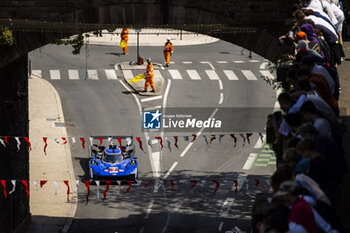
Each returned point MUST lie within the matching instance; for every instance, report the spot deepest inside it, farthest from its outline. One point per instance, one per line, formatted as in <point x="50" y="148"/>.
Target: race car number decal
<point x="113" y="170"/>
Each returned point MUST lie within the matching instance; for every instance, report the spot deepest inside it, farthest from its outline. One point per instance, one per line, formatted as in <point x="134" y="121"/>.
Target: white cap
<point x="168" y="38"/>
<point x="149" y="59"/>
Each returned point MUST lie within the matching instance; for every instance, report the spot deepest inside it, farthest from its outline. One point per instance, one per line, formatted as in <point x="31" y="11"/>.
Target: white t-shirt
<point x="325" y="7"/>
<point x="320" y="21"/>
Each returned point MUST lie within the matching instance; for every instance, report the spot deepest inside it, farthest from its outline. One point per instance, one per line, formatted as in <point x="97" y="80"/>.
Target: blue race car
<point x="112" y="163"/>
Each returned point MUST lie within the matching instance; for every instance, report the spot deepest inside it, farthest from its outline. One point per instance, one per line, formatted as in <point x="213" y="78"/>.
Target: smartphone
<point x="291" y="34"/>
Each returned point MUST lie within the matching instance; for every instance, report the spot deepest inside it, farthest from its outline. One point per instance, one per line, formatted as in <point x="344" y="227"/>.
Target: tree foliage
<point x="6" y="37"/>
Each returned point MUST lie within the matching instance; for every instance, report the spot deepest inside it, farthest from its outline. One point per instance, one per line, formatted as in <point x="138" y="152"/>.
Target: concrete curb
<point x="67" y="150"/>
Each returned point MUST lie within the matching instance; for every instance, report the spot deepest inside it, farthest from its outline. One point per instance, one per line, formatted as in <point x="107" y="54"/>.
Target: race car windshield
<point x="113" y="158"/>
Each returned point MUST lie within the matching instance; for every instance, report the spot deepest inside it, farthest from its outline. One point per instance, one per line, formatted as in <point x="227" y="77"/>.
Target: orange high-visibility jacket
<point x="168" y="47"/>
<point x="125" y="35"/>
<point x="149" y="70"/>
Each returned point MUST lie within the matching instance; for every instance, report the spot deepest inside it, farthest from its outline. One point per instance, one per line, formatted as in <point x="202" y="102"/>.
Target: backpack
<point x="327" y="53"/>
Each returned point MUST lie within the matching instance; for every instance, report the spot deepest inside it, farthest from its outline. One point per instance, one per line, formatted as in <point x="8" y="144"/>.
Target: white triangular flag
<point x="202" y="183"/>
<point x="148" y="141"/>
<point x="119" y="183"/>
<point x="246" y="186"/>
<point x="267" y="181"/>
<point x="56" y="186"/>
<point x="74" y="140"/>
<point x="98" y="188"/>
<point x="77" y="185"/>
<point x="18" y="143"/>
<point x="91" y="140"/>
<point x="168" y="142"/>
<point x="128" y="141"/>
<point x="2" y="142"/>
<point x="221" y="136"/>
<point x="13" y="186"/>
<point x="35" y="141"/>
<point x="183" y="181"/>
<point x="35" y="185"/>
<point x="242" y="136"/>
<point x="110" y="140"/>
<point x="261" y="137"/>
<point x="138" y="182"/>
<point x="56" y="140"/>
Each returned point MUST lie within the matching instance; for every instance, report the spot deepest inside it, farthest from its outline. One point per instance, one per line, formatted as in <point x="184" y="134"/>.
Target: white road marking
<point x="250" y="161"/>
<point x="149" y="209"/>
<point x="152" y="108"/>
<point x="222" y="62"/>
<point x="238" y="61"/>
<point x="116" y="67"/>
<point x="92" y="74"/>
<point x="198" y="134"/>
<point x="187" y="62"/>
<point x="110" y="74"/>
<point x="249" y="75"/>
<point x="254" y="61"/>
<point x="263" y="66"/>
<point x="230" y="75"/>
<point x="267" y="74"/>
<point x="157" y="74"/>
<point x="172" y="62"/>
<point x="220" y="84"/>
<point x="212" y="75"/>
<point x="193" y="74"/>
<point x="209" y="63"/>
<point x="220" y="226"/>
<point x="226" y="207"/>
<point x="170" y="170"/>
<point x="175" y="74"/>
<point x="221" y="98"/>
<point x="156" y="159"/>
<point x="128" y="74"/>
<point x="37" y="73"/>
<point x="55" y="74"/>
<point x="73" y="74"/>
<point x="151" y="98"/>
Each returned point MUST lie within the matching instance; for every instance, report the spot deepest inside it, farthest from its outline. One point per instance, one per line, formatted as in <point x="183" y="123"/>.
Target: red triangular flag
<point x="101" y="140"/>
<point x="176" y="139"/>
<point x="160" y="141"/>
<point x="6" y="139"/>
<point x="26" y="184"/>
<point x="172" y="185"/>
<point x="68" y="189"/>
<point x="149" y="182"/>
<point x="29" y="144"/>
<point x="217" y="185"/>
<point x="236" y="185"/>
<point x="45" y="140"/>
<point x="194" y="137"/>
<point x="120" y="144"/>
<point x="213" y="137"/>
<point x="42" y="182"/>
<point x="64" y="140"/>
<point x="3" y="182"/>
<point x="257" y="182"/>
<point x="194" y="182"/>
<point x="108" y="182"/>
<point x="248" y="135"/>
<point x="128" y="189"/>
<point x="140" y="143"/>
<point x="82" y="142"/>
<point x="87" y="185"/>
<point x="234" y="139"/>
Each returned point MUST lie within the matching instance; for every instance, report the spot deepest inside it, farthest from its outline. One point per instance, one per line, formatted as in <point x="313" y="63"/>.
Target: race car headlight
<point x="106" y="170"/>
<point x="132" y="162"/>
<point x="94" y="163"/>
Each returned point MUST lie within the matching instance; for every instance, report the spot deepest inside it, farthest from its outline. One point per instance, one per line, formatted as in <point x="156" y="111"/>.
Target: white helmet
<point x="148" y="59"/>
<point x="168" y="39"/>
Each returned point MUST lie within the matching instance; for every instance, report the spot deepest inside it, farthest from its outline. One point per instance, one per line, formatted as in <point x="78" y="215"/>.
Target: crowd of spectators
<point x="307" y="136"/>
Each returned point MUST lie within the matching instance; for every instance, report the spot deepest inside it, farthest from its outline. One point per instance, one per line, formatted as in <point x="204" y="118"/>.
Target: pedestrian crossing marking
<point x="55" y="74"/>
<point x="128" y="74"/>
<point x="267" y="74"/>
<point x="249" y="75"/>
<point x="92" y="74"/>
<point x="73" y="74"/>
<point x="212" y="75"/>
<point x="37" y="73"/>
<point x="175" y="74"/>
<point x="157" y="74"/>
<point x="230" y="75"/>
<point x="193" y="74"/>
<point x="110" y="74"/>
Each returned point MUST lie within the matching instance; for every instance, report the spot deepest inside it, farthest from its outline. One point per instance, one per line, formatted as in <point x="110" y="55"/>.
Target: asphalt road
<point x="106" y="107"/>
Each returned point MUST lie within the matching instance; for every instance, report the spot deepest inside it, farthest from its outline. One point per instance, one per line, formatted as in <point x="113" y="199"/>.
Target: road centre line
<point x="198" y="134"/>
<point x="170" y="170"/>
<point x="209" y="63"/>
<point x="187" y="62"/>
<point x="151" y="98"/>
<point x="238" y="61"/>
<point x="221" y="98"/>
<point x="220" y="84"/>
<point x="152" y="108"/>
<point x="222" y="62"/>
<point x="149" y="209"/>
<point x="251" y="159"/>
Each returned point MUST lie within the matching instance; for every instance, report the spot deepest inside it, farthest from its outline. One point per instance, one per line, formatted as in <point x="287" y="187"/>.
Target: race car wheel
<point x="92" y="176"/>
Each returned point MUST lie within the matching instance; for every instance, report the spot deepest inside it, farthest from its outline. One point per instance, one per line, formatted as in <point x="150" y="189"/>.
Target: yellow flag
<point x="138" y="78"/>
<point x="122" y="44"/>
